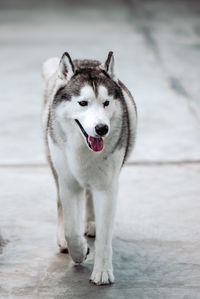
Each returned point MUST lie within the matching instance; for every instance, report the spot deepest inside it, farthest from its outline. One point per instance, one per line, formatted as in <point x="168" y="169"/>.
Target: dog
<point x="90" y="122"/>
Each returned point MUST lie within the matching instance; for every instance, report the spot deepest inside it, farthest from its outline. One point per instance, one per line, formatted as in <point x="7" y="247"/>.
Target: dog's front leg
<point x="72" y="198"/>
<point x="90" y="218"/>
<point x="105" y="206"/>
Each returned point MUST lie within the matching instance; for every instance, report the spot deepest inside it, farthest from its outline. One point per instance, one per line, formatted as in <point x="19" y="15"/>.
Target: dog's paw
<point x="101" y="277"/>
<point x="78" y="249"/>
<point x="90" y="229"/>
<point x="62" y="243"/>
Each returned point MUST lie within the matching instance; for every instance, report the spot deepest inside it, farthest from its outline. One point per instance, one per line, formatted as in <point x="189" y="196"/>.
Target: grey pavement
<point x="157" y="234"/>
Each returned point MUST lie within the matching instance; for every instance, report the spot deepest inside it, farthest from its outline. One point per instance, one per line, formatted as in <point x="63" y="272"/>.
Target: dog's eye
<point x="83" y="103"/>
<point x="106" y="103"/>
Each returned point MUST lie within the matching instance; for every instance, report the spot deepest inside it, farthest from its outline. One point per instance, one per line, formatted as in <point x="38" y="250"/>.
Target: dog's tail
<point x="49" y="67"/>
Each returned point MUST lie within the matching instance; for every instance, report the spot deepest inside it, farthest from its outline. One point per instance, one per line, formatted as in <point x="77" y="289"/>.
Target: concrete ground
<point x="157" y="234"/>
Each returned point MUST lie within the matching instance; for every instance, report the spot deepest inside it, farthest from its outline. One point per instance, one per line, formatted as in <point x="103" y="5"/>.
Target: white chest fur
<point x="76" y="161"/>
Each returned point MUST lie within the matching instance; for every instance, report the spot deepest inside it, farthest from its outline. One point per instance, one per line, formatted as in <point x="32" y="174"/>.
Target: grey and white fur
<point x="89" y="120"/>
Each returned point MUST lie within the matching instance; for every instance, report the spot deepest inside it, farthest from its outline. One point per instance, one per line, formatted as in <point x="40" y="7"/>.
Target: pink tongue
<point x="96" y="143"/>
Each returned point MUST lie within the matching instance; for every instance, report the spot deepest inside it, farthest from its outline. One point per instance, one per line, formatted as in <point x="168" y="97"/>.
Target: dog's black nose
<point x="101" y="129"/>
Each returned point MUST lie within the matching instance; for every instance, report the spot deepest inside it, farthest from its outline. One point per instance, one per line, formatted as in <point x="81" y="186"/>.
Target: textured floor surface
<point x="157" y="234"/>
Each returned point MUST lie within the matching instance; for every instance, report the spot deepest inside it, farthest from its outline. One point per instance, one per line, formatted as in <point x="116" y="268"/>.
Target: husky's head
<point x="87" y="97"/>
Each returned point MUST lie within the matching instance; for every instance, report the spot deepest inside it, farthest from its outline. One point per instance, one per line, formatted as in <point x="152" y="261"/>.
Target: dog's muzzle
<point x="95" y="143"/>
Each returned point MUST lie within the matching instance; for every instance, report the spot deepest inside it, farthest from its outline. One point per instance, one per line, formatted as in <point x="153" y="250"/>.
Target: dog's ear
<point x="66" y="67"/>
<point x="109" y="64"/>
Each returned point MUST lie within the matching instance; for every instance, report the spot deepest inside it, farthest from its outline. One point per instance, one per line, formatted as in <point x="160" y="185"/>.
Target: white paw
<point x="90" y="229"/>
<point x="103" y="276"/>
<point x="78" y="249"/>
<point x="62" y="243"/>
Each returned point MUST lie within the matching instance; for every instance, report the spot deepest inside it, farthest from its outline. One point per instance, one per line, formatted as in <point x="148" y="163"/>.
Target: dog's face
<point x="88" y="99"/>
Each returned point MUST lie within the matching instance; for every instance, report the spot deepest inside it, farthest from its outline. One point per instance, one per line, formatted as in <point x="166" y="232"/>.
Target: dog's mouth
<point x="94" y="143"/>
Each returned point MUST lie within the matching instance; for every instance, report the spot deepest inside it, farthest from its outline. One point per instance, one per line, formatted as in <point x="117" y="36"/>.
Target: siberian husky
<point x="90" y="126"/>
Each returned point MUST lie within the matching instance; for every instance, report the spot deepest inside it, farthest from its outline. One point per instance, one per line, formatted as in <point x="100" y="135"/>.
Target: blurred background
<point x="157" y="55"/>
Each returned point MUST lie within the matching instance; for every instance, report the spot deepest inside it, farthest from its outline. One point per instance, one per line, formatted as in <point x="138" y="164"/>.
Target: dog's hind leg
<point x="61" y="240"/>
<point x="90" y="218"/>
